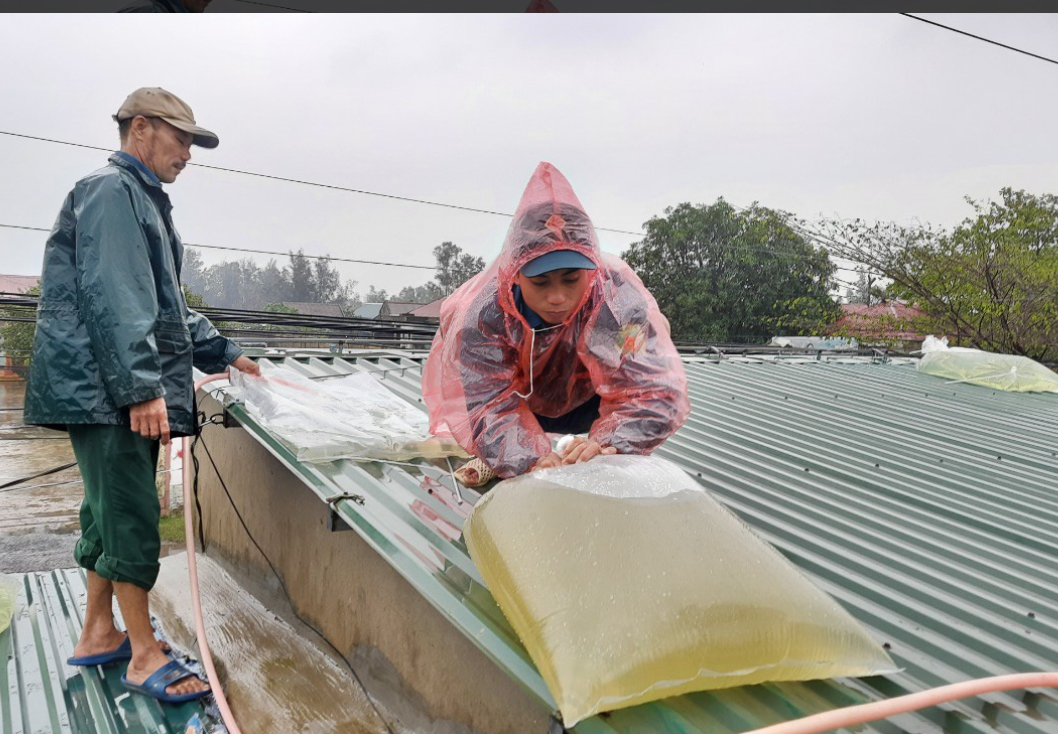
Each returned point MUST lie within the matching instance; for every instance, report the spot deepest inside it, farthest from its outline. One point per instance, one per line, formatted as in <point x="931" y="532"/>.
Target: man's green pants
<point x="120" y="512"/>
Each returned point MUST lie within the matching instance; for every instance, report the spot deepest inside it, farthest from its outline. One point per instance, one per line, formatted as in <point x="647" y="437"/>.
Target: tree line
<point x="247" y="285"/>
<point x="722" y="274"/>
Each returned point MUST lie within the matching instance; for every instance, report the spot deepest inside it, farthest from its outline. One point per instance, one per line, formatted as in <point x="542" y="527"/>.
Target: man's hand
<point x="583" y="449"/>
<point x="247" y="365"/>
<point x="150" y="420"/>
<point x="548" y="462"/>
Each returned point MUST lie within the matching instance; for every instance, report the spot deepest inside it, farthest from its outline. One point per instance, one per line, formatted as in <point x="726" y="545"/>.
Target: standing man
<point x="112" y="365"/>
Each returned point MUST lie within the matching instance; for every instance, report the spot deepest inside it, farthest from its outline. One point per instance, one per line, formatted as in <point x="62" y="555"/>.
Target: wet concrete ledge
<point x="423" y="674"/>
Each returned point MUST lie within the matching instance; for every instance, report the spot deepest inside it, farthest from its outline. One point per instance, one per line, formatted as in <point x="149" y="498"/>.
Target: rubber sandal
<point x="484" y="472"/>
<point x="119" y="653"/>
<point x="166" y="675"/>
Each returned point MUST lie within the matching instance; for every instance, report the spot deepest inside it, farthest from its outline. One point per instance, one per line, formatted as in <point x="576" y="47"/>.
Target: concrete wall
<point x="424" y="673"/>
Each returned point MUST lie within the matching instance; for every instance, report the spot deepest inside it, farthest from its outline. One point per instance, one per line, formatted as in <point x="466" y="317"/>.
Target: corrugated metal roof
<point x="40" y="693"/>
<point x="929" y="510"/>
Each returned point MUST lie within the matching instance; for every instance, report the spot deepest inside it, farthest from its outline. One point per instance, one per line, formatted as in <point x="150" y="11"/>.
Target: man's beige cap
<point x="156" y="102"/>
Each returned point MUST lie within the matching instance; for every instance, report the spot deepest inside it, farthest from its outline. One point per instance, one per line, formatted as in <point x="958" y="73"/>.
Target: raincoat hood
<point x="490" y="374"/>
<point x="549" y="218"/>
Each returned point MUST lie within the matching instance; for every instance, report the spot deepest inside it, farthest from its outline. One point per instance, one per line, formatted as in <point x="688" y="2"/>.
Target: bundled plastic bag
<point x="627" y="582"/>
<point x="1008" y="372"/>
<point x="348" y="417"/>
<point x="9" y="587"/>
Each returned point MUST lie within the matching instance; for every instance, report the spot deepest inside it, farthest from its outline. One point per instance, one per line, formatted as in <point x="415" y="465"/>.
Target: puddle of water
<point x="45" y="505"/>
<point x="27" y="451"/>
<point x="275" y="679"/>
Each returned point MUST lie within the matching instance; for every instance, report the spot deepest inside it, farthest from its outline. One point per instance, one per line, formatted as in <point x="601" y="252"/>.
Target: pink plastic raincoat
<point x="615" y="345"/>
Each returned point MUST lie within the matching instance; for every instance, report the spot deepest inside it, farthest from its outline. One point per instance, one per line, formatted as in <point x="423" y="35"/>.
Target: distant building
<point x="889" y="322"/>
<point x="17" y="283"/>
<point x="316" y="309"/>
<point x="397" y="308"/>
<point x="429" y="312"/>
<point x="368" y="311"/>
<point x="10" y="367"/>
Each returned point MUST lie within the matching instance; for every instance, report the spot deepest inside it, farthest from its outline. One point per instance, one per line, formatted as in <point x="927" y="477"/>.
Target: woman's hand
<point x="584" y="449"/>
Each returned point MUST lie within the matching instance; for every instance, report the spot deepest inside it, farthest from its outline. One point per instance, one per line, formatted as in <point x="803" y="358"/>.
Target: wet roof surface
<point x="40" y="693"/>
<point x="929" y="510"/>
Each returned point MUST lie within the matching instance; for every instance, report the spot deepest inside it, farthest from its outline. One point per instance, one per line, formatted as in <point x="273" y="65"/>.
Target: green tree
<point x="348" y="297"/>
<point x="302" y="279"/>
<point x="274" y="283"/>
<point x="376" y="296"/>
<point x="192" y="299"/>
<point x="866" y="289"/>
<point x="16" y="336"/>
<point x="991" y="283"/>
<point x="327" y="282"/>
<point x="192" y="270"/>
<point x="455" y="267"/>
<point x="725" y="275"/>
<point x="283" y="309"/>
<point x="426" y="293"/>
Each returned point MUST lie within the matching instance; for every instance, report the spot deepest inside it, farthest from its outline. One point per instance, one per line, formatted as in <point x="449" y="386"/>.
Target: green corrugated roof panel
<point x="40" y="693"/>
<point x="929" y="510"/>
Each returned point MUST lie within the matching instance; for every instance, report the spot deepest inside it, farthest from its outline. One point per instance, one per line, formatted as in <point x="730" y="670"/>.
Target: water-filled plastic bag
<point x="342" y="417"/>
<point x="9" y="587"/>
<point x="627" y="582"/>
<point x="1009" y="372"/>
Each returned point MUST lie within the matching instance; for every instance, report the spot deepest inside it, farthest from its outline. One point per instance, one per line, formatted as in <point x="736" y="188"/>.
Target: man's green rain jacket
<point x="113" y="328"/>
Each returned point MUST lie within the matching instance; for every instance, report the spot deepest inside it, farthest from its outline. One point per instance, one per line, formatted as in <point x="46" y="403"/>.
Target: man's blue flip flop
<point x="119" y="653"/>
<point x="166" y="675"/>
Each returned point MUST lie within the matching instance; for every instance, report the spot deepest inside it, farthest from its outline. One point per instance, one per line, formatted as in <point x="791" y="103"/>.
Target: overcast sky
<point x="871" y="116"/>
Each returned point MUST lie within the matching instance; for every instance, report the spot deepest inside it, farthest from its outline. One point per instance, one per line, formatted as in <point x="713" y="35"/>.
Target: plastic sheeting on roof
<point x="347" y="417"/>
<point x="1008" y="372"/>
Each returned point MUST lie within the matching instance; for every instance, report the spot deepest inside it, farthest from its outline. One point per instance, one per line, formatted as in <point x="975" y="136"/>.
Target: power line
<point x="770" y="251"/>
<point x="979" y="38"/>
<point x="265" y="252"/>
<point x="799" y="230"/>
<point x="350" y="190"/>
<point x="332" y="187"/>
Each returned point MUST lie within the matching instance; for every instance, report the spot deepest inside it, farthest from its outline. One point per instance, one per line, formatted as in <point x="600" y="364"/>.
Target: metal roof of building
<point x="929" y="510"/>
<point x="316" y="309"/>
<point x="367" y="311"/>
<point x="17" y="283"/>
<point x="40" y="693"/>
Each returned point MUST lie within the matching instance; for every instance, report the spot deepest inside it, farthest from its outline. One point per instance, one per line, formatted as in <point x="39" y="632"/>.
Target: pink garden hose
<point x="192" y="571"/>
<point x="814" y="724"/>
<point x="864" y="712"/>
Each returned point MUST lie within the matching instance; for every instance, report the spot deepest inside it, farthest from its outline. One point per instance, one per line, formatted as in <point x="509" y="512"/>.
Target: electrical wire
<point x="316" y="184"/>
<point x="263" y="252"/>
<point x="53" y="470"/>
<point x="338" y="188"/>
<point x="979" y="38"/>
<point x="777" y="252"/>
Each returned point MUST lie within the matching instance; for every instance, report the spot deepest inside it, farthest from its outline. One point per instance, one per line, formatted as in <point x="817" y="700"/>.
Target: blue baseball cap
<point x="557" y="260"/>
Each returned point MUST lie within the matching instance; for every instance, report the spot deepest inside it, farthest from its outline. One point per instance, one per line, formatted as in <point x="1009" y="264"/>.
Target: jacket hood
<point x="549" y="217"/>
